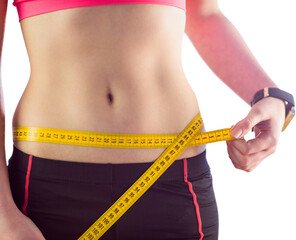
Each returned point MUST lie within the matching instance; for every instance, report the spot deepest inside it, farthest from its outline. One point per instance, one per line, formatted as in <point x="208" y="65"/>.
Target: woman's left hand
<point x="267" y="117"/>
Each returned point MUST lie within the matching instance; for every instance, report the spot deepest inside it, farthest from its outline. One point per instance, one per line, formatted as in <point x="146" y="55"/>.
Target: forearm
<point x="6" y="200"/>
<point x="225" y="52"/>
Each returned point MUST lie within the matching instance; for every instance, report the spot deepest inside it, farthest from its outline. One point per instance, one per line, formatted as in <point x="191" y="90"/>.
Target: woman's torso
<point x="80" y="57"/>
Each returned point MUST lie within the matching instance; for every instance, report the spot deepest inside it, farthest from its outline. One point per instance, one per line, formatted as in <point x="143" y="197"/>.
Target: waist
<point x="157" y="107"/>
<point x="150" y="104"/>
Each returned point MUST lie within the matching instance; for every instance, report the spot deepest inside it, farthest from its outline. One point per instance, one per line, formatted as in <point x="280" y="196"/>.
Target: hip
<point x="64" y="198"/>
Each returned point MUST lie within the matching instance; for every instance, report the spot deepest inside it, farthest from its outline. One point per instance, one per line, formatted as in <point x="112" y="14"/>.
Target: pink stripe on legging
<point x="194" y="199"/>
<point x="27" y="185"/>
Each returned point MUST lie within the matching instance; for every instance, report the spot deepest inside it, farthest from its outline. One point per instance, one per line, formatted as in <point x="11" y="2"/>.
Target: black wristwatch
<point x="280" y="94"/>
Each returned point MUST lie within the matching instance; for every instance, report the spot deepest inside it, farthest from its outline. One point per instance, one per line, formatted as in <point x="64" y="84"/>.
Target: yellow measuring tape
<point x="112" y="140"/>
<point x="175" y="143"/>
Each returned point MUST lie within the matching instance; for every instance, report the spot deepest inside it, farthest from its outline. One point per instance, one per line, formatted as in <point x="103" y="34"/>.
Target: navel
<point x="110" y="97"/>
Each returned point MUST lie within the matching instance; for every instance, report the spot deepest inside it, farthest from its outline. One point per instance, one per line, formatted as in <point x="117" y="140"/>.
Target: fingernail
<point x="236" y="132"/>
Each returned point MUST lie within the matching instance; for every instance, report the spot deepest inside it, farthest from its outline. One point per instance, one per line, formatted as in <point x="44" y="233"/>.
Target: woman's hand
<point x="14" y="225"/>
<point x="267" y="117"/>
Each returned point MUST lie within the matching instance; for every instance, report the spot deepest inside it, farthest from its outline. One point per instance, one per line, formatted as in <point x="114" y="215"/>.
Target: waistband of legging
<point x="103" y="172"/>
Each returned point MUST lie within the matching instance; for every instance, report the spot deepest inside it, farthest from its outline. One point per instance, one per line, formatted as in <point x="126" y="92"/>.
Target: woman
<point x="116" y="68"/>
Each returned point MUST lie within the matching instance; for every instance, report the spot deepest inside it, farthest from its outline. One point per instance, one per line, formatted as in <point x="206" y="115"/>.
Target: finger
<point x="263" y="141"/>
<point x="239" y="161"/>
<point x="240" y="145"/>
<point x="247" y="162"/>
<point x="236" y="158"/>
<point x="258" y="158"/>
<point x="257" y="131"/>
<point x="245" y="125"/>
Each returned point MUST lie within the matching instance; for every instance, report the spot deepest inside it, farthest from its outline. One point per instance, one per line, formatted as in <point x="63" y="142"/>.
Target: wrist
<point x="7" y="208"/>
<point x="285" y="97"/>
<point x="6" y="201"/>
<point x="9" y="214"/>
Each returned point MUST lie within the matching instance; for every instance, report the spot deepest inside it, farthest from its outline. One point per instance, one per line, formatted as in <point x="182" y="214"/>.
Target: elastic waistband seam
<point x="32" y="177"/>
<point x="192" y="177"/>
<point x="67" y="172"/>
<point x="68" y="180"/>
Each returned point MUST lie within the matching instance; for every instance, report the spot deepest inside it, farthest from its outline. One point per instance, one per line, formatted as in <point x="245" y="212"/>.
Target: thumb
<point x="245" y="125"/>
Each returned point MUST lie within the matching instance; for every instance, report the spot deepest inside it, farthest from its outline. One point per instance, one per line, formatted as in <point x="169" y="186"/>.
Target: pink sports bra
<point x="29" y="8"/>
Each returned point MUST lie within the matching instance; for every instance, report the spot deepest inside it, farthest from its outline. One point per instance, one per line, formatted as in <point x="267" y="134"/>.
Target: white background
<point x="257" y="205"/>
<point x="261" y="204"/>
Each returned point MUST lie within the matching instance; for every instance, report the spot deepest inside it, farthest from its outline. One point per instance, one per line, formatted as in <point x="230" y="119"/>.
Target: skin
<point x="85" y="54"/>
<point x="77" y="66"/>
<point x="223" y="49"/>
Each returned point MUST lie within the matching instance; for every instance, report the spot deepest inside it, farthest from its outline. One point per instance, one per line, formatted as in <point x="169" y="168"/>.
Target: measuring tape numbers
<point x="175" y="144"/>
<point x="145" y="181"/>
<point x="112" y="140"/>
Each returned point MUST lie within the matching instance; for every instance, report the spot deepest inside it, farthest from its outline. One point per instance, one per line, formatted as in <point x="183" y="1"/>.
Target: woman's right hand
<point x="14" y="225"/>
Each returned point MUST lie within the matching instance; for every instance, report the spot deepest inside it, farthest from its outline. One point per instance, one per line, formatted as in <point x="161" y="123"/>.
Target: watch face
<point x="293" y="110"/>
<point x="289" y="117"/>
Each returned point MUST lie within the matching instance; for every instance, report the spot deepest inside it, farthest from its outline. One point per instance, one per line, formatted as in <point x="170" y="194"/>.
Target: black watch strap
<point x="277" y="93"/>
<point x="280" y="94"/>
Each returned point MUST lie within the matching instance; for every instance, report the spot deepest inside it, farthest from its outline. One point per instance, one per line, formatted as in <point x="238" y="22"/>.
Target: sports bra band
<point x="29" y="8"/>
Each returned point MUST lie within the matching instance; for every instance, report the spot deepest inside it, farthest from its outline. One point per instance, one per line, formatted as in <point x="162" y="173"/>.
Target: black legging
<point x="65" y="198"/>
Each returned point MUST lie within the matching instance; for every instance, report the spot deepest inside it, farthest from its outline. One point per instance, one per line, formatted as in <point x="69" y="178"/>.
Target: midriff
<point x="110" y="68"/>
